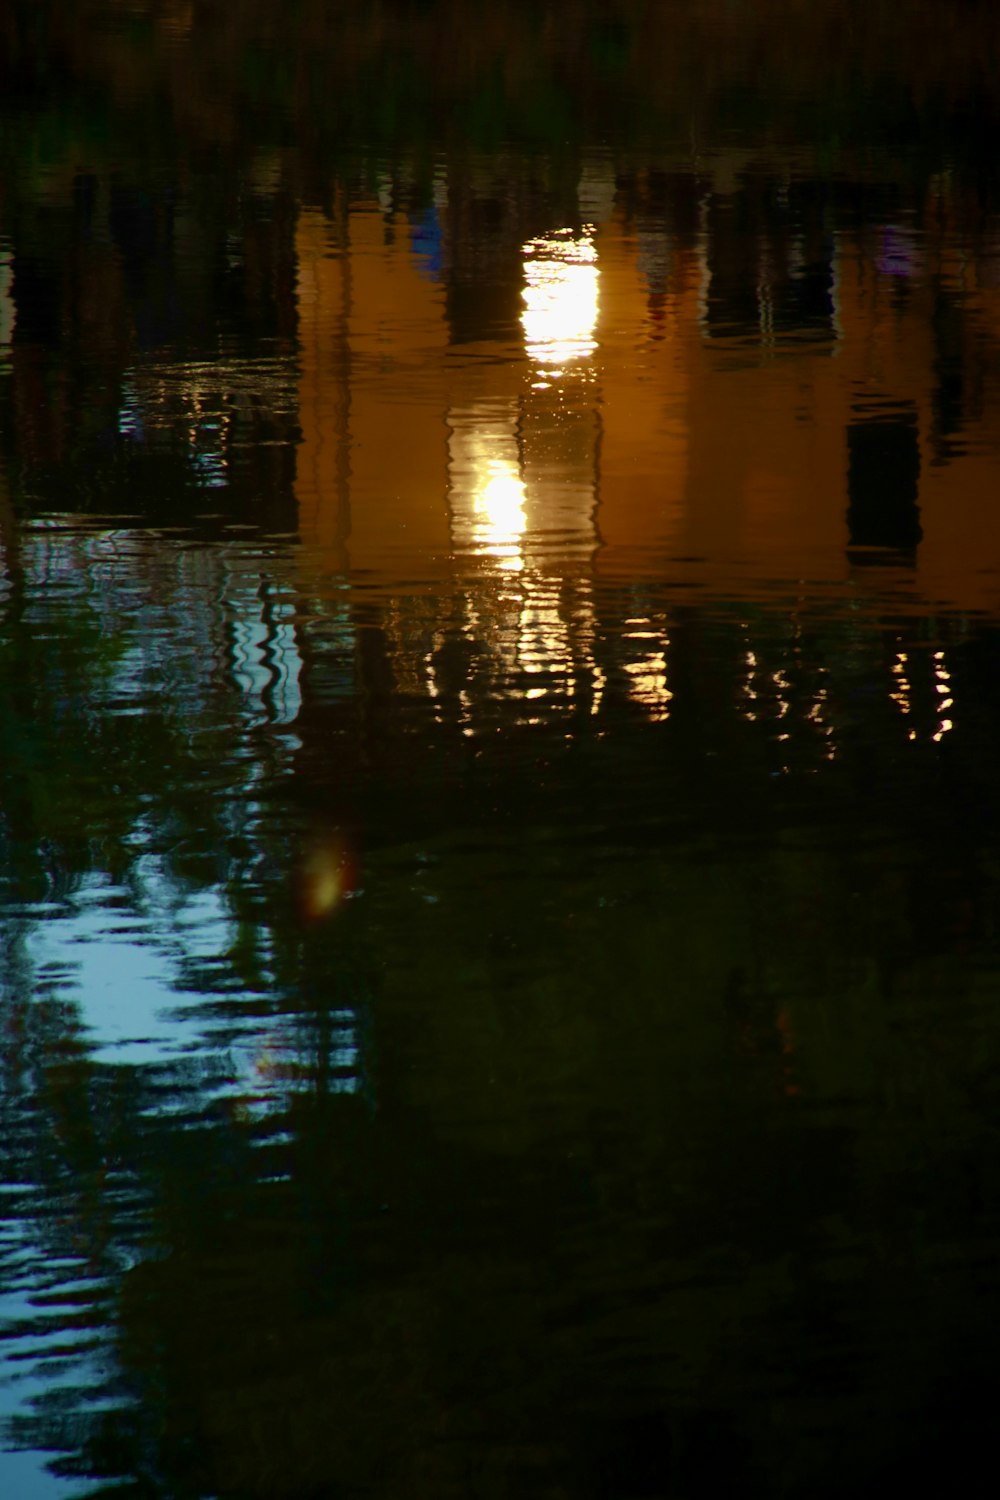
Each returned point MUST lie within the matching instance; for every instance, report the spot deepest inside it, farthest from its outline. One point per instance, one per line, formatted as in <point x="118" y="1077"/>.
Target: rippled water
<point x="499" y="841"/>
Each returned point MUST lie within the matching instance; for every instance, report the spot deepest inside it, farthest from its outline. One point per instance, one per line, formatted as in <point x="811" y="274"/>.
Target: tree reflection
<point x="606" y="1114"/>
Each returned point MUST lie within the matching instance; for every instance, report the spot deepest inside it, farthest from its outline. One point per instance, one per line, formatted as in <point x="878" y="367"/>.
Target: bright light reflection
<point x="500" y="518"/>
<point x="648" y="675"/>
<point x="487" y="491"/>
<point x="902" y="690"/>
<point x="560" y="297"/>
<point x="649" y="685"/>
<point x="942" y="686"/>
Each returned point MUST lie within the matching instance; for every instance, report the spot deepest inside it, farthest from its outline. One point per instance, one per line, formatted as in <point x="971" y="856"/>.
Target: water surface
<point x="499" y="839"/>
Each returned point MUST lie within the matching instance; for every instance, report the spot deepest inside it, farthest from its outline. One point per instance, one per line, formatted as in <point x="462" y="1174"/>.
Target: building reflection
<point x="535" y="418"/>
<point x="709" y="389"/>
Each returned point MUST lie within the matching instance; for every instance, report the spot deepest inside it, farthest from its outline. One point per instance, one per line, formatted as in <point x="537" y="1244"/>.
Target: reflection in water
<point x="500" y="504"/>
<point x="945" y="703"/>
<point x="560" y="298"/>
<point x="659" y="699"/>
<point x="327" y="877"/>
<point x="488" y="494"/>
<point x="648" y="671"/>
<point x="8" y="311"/>
<point x="901" y="691"/>
<point x="211" y="410"/>
<point x="907" y="669"/>
<point x="537" y="627"/>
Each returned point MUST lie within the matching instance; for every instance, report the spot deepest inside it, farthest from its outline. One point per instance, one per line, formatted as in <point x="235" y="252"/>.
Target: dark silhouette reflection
<point x="883" y="485"/>
<point x="771" y="264"/>
<point x="957" y="391"/>
<point x="143" y="229"/>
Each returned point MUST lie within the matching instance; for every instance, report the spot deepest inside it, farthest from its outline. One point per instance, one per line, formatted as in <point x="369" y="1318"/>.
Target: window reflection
<point x="647" y="668"/>
<point x="904" y="668"/>
<point x="499" y="509"/>
<point x="945" y="702"/>
<point x="522" y="494"/>
<point x="488" y="492"/>
<point x="819" y="715"/>
<point x="514" y="525"/>
<point x="560" y="297"/>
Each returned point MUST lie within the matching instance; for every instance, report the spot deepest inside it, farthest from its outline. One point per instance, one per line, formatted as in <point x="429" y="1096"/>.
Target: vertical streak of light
<point x="560" y="298"/>
<point x="943" y="690"/>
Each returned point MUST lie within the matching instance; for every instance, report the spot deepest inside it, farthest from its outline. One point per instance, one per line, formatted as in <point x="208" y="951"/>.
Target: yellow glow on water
<point x="499" y="511"/>
<point x="942" y="686"/>
<point x="326" y="877"/>
<point x="648" y="672"/>
<point x="649" y="685"/>
<point x="560" y="298"/>
<point x="487" y="492"/>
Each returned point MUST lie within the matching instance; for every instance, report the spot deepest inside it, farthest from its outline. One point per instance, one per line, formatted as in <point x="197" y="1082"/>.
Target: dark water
<point x="499" y="827"/>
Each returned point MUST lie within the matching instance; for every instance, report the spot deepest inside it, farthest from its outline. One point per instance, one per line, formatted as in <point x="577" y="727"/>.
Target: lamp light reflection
<point x="648" y="674"/>
<point x="499" y="514"/>
<point x="488" y="493"/>
<point x="942" y="687"/>
<point x="560" y="297"/>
